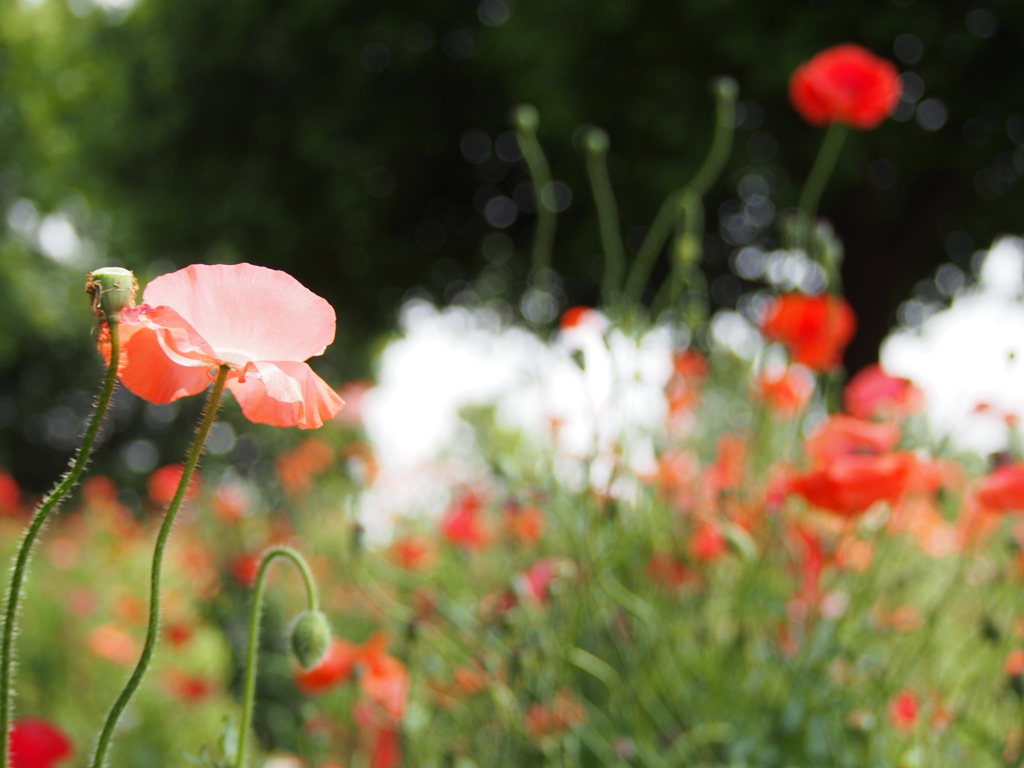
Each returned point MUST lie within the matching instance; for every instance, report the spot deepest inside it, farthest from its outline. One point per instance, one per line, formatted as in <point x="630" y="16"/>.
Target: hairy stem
<point x="252" y="654"/>
<point x="20" y="567"/>
<point x="153" y="629"/>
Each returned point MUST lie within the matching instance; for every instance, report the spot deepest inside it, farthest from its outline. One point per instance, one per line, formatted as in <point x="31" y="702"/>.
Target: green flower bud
<point x="596" y="141"/>
<point x="526" y="118"/>
<point x="726" y="87"/>
<point x="112" y="289"/>
<point x="311" y="637"/>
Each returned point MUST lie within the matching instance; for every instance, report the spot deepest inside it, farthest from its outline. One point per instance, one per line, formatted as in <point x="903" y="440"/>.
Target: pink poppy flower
<point x="262" y="323"/>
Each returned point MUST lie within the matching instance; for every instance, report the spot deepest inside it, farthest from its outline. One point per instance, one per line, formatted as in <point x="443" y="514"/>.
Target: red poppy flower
<point x="1003" y="490"/>
<point x="336" y="667"/>
<point x="786" y="395"/>
<point x="708" y="543"/>
<point x="815" y="328"/>
<point x="163" y="484"/>
<point x="845" y="84"/>
<point x="188" y="688"/>
<point x="844" y="436"/>
<point x="37" y="743"/>
<point x="10" y="494"/>
<point x="414" y="554"/>
<point x="850" y="484"/>
<point x="873" y="392"/>
<point x="666" y="571"/>
<point x="262" y="323"/>
<point x="384" y="679"/>
<point x="464" y="524"/>
<point x="903" y="711"/>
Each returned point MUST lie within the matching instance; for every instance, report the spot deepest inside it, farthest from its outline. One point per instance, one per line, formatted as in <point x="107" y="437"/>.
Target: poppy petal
<point x="286" y="394"/>
<point x="245" y="311"/>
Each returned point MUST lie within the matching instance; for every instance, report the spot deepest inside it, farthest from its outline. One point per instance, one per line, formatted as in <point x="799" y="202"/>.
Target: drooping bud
<point x="311" y="636"/>
<point x="526" y="118"/>
<point x="596" y="142"/>
<point x="726" y="87"/>
<point x="112" y="289"/>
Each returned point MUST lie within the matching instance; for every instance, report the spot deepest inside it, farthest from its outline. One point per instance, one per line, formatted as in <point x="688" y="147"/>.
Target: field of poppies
<point x="648" y="533"/>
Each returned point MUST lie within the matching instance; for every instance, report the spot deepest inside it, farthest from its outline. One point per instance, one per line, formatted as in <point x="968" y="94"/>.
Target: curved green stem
<point x="252" y="654"/>
<point x="653" y="242"/>
<point x="818" y="178"/>
<point x="706" y="175"/>
<point x="153" y="629"/>
<point x="721" y="142"/>
<point x="607" y="214"/>
<point x="20" y="567"/>
<point x="688" y="246"/>
<point x="540" y="173"/>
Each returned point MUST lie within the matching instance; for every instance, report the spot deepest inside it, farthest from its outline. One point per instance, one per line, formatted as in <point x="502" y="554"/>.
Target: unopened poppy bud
<point x="726" y="87"/>
<point x="311" y="636"/>
<point x="526" y="118"/>
<point x="112" y="289"/>
<point x="596" y="142"/>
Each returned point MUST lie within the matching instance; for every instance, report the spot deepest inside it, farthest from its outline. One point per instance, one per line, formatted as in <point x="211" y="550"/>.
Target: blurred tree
<point x="358" y="146"/>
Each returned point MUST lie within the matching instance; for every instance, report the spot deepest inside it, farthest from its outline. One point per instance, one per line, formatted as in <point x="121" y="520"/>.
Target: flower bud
<point x="526" y="118"/>
<point x="311" y="636"/>
<point x="596" y="142"/>
<point x="112" y="289"/>
<point x="726" y="87"/>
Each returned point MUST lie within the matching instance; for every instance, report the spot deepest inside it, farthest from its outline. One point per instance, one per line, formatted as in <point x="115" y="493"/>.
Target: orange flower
<point x="384" y="679"/>
<point x="298" y="467"/>
<point x="874" y="393"/>
<point x="551" y="719"/>
<point x="1014" y="663"/>
<point x="845" y="84"/>
<point x="815" y="328"/>
<point x="844" y="436"/>
<point x="231" y="503"/>
<point x="414" y="554"/>
<point x="260" y="322"/>
<point x="787" y="394"/>
<point x="335" y="668"/>
<point x="116" y="645"/>
<point x="163" y="484"/>
<point x="527" y="524"/>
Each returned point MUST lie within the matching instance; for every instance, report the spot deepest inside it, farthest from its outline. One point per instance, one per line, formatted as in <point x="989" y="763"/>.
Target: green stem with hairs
<point x="252" y="655"/>
<point x="527" y="121"/>
<point x="20" y="568"/>
<point x="706" y="175"/>
<point x="153" y="629"/>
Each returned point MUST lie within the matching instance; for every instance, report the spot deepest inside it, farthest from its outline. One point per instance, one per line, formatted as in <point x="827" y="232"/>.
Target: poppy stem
<point x="676" y="203"/>
<point x="252" y="654"/>
<point x="820" y="173"/>
<point x="20" y="568"/>
<point x="527" y="121"/>
<point x="596" y="144"/>
<point x="153" y="629"/>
